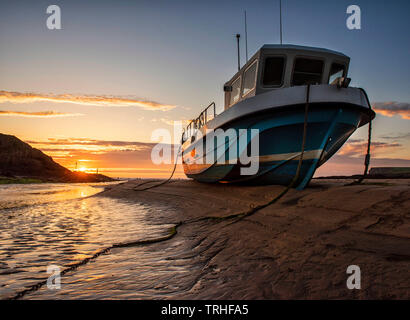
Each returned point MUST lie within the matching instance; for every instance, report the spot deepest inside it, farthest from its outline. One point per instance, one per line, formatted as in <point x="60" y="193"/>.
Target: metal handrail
<point x="198" y="122"/>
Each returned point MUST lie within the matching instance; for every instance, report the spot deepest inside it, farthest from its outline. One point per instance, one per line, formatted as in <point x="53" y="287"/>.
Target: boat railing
<point x="204" y="117"/>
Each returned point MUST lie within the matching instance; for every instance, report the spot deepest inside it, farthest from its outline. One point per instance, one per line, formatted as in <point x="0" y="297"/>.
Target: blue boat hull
<point x="280" y="144"/>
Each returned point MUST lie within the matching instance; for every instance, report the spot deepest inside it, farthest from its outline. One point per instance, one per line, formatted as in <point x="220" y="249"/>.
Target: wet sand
<point x="296" y="248"/>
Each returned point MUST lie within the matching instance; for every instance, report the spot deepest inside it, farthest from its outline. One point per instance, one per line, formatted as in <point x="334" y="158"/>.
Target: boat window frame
<point x="285" y="60"/>
<point x="344" y="64"/>
<point x="255" y="81"/>
<point x="240" y="90"/>
<point x="320" y="58"/>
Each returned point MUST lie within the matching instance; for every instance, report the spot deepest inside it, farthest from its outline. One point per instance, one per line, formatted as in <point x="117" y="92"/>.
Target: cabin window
<point x="273" y="71"/>
<point x="337" y="70"/>
<point x="249" y="79"/>
<point x="307" y="71"/>
<point x="236" y="89"/>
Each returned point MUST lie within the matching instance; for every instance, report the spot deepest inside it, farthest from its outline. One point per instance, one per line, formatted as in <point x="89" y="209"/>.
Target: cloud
<point x="183" y="122"/>
<point x="76" y="146"/>
<point x="399" y="136"/>
<point x="39" y="114"/>
<point x="391" y="109"/>
<point x="101" y="101"/>
<point x="357" y="148"/>
<point x="90" y="142"/>
<point x="349" y="159"/>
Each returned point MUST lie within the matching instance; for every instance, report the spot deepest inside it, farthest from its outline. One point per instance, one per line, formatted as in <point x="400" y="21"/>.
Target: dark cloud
<point x="358" y="147"/>
<point x="399" y="136"/>
<point x="391" y="109"/>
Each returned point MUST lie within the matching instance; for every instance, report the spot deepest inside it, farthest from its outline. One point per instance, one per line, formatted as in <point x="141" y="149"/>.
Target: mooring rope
<point x="369" y="142"/>
<point x="297" y="174"/>
<point x="165" y="181"/>
<point x="72" y="267"/>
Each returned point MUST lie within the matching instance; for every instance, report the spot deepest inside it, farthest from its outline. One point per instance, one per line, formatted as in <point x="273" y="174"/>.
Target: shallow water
<point x="59" y="224"/>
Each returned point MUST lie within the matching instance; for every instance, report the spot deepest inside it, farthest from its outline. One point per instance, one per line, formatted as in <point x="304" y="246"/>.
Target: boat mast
<point x="237" y="42"/>
<point x="246" y="38"/>
<point x="280" y="19"/>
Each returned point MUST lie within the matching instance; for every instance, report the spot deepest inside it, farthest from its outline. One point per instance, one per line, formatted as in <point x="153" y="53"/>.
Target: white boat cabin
<point x="281" y="66"/>
<point x="274" y="67"/>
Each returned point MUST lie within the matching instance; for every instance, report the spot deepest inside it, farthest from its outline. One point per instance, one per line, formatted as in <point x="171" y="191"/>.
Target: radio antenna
<point x="246" y="38"/>
<point x="280" y="18"/>
<point x="239" y="59"/>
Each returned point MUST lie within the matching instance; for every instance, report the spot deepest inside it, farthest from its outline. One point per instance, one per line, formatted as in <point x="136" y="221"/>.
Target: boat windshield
<point x="336" y="71"/>
<point x="249" y="80"/>
<point x="273" y="71"/>
<point x="307" y="71"/>
<point x="236" y="89"/>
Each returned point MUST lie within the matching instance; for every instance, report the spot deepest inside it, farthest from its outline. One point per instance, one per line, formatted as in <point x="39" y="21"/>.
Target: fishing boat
<point x="297" y="98"/>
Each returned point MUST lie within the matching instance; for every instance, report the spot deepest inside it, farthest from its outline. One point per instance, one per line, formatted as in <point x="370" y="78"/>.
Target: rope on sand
<point x="73" y="267"/>
<point x="165" y="181"/>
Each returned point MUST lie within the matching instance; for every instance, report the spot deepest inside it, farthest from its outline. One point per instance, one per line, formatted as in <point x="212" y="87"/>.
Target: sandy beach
<point x="296" y="248"/>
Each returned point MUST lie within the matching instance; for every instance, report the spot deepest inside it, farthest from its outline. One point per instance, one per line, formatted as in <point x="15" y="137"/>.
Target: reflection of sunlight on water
<point x="83" y="206"/>
<point x="19" y="195"/>
<point x="79" y="257"/>
<point x="59" y="224"/>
